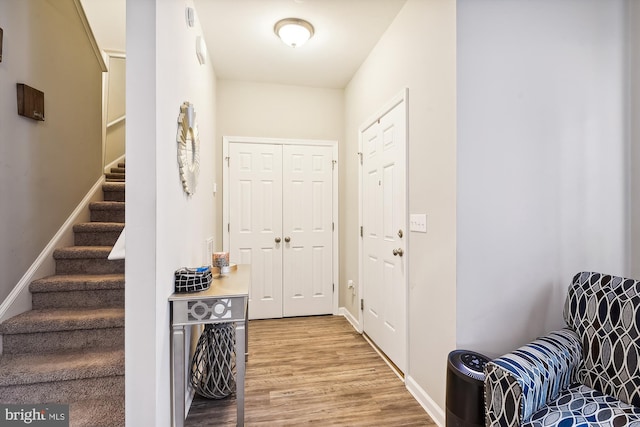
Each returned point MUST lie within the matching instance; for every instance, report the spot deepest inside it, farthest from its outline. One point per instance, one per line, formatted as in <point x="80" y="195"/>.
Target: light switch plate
<point x="418" y="222"/>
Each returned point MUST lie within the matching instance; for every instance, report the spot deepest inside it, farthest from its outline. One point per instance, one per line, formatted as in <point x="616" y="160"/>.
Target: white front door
<point x="384" y="217"/>
<point x="281" y="222"/>
<point x="307" y="227"/>
<point x="255" y="222"/>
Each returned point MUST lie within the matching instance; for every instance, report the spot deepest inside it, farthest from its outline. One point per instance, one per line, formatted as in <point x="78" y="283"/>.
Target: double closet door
<point x="280" y="221"/>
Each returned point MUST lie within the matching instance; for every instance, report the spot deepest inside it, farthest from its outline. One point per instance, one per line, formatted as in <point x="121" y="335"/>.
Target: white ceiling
<point x="240" y="38"/>
<point x="242" y="45"/>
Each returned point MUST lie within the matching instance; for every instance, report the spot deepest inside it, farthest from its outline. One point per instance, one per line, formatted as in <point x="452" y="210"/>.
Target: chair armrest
<point x="519" y="383"/>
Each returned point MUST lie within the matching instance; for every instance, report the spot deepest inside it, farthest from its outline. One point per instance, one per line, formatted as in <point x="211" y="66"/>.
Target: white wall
<point x="542" y="174"/>
<point x="634" y="116"/>
<point x="46" y="168"/>
<point x="274" y="111"/>
<point x="165" y="228"/>
<point x="418" y="52"/>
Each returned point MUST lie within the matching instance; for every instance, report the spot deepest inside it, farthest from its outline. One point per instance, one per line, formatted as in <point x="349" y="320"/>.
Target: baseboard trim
<point x="342" y="311"/>
<point x="422" y="397"/>
<point x="19" y="299"/>
<point x="433" y="409"/>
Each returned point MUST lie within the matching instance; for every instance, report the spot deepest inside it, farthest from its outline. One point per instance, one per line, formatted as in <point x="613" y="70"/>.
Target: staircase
<point x="70" y="347"/>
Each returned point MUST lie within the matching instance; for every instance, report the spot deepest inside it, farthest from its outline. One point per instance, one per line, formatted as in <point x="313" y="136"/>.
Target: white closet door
<point x="307" y="229"/>
<point x="255" y="222"/>
<point x="385" y="233"/>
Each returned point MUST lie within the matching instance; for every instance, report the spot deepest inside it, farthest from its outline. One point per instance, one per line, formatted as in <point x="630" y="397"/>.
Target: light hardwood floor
<point x="313" y="370"/>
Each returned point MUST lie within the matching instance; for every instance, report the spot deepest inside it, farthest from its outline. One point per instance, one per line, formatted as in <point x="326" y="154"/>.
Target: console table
<point x="225" y="301"/>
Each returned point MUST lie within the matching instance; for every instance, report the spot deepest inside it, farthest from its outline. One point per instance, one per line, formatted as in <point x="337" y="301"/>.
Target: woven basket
<point x="192" y="279"/>
<point x="214" y="362"/>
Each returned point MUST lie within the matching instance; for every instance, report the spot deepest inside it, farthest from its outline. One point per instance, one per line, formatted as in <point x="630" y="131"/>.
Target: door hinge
<point x="360" y="155"/>
<point x="333" y="287"/>
<point x="228" y="227"/>
<point x="333" y="226"/>
<point x="228" y="159"/>
<point x="333" y="164"/>
<point x="361" y="231"/>
<point x="362" y="304"/>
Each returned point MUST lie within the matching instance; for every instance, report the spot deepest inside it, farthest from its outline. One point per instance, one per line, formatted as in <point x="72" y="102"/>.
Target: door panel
<point x="307" y="222"/>
<point x="255" y="212"/>
<point x="384" y="215"/>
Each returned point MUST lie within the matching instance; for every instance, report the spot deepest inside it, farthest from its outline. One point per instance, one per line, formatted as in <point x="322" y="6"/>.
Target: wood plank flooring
<point x="313" y="370"/>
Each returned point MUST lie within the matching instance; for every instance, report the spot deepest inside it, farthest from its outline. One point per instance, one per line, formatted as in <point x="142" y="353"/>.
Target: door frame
<point x="403" y="96"/>
<point x="227" y="140"/>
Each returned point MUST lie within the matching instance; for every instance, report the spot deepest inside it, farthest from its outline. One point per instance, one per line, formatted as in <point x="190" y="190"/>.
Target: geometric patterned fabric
<point x="581" y="406"/>
<point x="586" y="375"/>
<point x="605" y="313"/>
<point x="519" y="383"/>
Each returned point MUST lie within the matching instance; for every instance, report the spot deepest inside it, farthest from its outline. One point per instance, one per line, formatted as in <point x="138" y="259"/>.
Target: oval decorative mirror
<point x="188" y="148"/>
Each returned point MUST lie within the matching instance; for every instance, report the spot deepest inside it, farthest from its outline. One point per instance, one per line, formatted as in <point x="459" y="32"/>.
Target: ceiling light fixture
<point x="293" y="32"/>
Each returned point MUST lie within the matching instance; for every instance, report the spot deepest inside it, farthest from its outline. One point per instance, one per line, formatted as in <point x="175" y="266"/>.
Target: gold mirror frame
<point x="188" y="148"/>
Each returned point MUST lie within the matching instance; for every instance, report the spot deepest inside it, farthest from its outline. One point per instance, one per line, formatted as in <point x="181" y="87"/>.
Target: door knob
<point x="287" y="239"/>
<point x="277" y="240"/>
<point x="398" y="252"/>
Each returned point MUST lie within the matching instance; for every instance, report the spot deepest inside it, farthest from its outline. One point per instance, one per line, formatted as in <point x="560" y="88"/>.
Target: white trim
<point x="342" y="311"/>
<point x="90" y="35"/>
<point x="227" y="140"/>
<point x="116" y="121"/>
<point x="403" y="96"/>
<point x="19" y="299"/>
<point x="280" y="141"/>
<point x="336" y="230"/>
<point x="115" y="53"/>
<point x="428" y="404"/>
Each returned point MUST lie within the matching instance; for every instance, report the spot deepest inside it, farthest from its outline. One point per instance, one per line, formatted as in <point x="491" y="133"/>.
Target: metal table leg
<point x="241" y="345"/>
<point x="178" y="375"/>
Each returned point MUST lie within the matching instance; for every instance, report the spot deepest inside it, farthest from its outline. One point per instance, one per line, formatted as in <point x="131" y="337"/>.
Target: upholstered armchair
<point x="584" y="375"/>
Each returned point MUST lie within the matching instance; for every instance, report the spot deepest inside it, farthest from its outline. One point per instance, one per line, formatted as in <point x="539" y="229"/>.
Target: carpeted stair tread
<point x="63" y="319"/>
<point x="118" y="170"/>
<point x="113" y="186"/>
<point x="77" y="282"/>
<point x="114" y="191"/>
<point x="122" y="165"/>
<point x="82" y="252"/>
<point x="107" y="206"/>
<point x="107" y="211"/>
<point x="20" y="369"/>
<point x="98" y="227"/>
<point x="106" y="412"/>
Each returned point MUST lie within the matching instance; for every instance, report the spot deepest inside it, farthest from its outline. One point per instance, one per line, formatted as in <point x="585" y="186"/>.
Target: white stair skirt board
<point x="19" y="299"/>
<point x="118" y="249"/>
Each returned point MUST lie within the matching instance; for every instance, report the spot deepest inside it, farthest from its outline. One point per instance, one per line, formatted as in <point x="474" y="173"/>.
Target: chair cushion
<point x="582" y="406"/>
<point x="604" y="311"/>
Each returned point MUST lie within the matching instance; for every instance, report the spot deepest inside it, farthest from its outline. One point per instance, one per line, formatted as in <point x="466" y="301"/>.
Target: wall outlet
<point x="418" y="222"/>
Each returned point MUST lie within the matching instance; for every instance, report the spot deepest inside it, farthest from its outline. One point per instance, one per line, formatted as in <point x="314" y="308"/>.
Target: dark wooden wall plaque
<point x="30" y="102"/>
